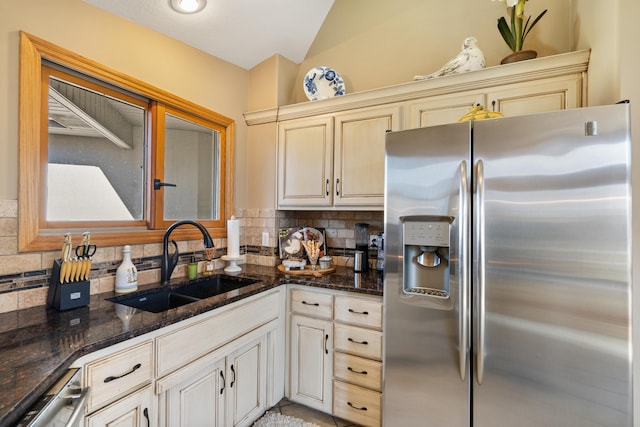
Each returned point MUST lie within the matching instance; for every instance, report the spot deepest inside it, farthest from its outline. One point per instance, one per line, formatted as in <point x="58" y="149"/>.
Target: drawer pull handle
<point x="364" y="408"/>
<point x="223" y="382"/>
<point x="357" y="342"/>
<point x="326" y="340"/>
<point x="358" y="312"/>
<point x="234" y="376"/>
<point x="356" y="372"/>
<point x="112" y="378"/>
<point x="145" y="412"/>
<point x="311" y="303"/>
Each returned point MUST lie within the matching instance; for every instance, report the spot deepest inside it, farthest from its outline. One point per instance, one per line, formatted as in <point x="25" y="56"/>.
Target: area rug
<point x="275" y="419"/>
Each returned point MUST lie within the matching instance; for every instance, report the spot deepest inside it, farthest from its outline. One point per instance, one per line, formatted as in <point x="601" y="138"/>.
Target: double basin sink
<point x="162" y="299"/>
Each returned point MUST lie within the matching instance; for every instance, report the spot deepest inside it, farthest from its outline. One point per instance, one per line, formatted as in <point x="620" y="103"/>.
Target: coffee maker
<point x="362" y="244"/>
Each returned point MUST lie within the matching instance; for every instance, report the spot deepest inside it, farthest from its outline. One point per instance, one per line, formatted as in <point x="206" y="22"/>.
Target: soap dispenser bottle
<point x="127" y="274"/>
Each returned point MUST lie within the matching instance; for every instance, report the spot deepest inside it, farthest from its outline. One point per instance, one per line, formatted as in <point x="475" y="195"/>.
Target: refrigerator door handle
<point x="480" y="238"/>
<point x="463" y="243"/>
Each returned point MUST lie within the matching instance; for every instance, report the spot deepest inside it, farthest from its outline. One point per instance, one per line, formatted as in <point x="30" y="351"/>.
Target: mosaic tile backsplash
<point x="24" y="277"/>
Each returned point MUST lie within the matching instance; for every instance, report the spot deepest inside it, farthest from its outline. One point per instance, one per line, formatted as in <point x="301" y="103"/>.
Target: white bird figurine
<point x="470" y="58"/>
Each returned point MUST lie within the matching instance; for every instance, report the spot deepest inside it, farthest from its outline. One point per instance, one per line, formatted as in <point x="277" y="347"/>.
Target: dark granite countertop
<point x="38" y="345"/>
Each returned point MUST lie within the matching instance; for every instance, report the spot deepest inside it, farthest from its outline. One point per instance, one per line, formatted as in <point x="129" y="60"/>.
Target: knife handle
<point x="64" y="266"/>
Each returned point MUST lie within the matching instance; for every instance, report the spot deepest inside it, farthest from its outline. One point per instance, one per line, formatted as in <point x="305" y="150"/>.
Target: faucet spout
<point x="169" y="262"/>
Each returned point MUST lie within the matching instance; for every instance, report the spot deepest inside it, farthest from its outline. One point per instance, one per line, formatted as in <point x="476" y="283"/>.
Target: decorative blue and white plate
<point x="323" y="83"/>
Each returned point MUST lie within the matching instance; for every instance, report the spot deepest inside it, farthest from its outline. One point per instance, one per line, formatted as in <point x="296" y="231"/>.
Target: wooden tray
<point x="307" y="271"/>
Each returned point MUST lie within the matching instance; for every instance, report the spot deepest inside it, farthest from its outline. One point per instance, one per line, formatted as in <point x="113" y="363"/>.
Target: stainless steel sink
<point x="163" y="299"/>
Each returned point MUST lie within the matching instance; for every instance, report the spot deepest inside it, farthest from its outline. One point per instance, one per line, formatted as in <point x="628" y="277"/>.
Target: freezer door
<point x="552" y="284"/>
<point x="426" y="365"/>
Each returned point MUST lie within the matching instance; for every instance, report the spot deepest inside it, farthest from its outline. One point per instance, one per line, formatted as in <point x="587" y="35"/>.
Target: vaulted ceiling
<point x="242" y="32"/>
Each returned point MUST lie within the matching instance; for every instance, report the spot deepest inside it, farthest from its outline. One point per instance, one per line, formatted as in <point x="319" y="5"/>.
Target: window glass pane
<point x="192" y="163"/>
<point x="96" y="162"/>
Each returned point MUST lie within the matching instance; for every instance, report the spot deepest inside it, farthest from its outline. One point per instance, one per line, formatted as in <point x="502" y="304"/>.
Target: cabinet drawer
<point x="135" y="408"/>
<point x="356" y="404"/>
<point x="116" y="375"/>
<point x="362" y="342"/>
<point x="314" y="304"/>
<point x="357" y="370"/>
<point x="358" y="311"/>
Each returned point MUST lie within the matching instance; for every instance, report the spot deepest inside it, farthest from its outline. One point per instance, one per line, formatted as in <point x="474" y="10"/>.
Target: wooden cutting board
<point x="307" y="271"/>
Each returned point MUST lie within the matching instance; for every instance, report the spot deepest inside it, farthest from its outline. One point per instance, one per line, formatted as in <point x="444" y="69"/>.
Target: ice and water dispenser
<point x="426" y="255"/>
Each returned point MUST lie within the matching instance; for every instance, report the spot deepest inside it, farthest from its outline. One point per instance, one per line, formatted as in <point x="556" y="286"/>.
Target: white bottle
<point x="127" y="274"/>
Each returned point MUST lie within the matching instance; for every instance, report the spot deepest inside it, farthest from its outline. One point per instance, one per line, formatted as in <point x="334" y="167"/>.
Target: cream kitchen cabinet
<point x="336" y="354"/>
<point x="120" y="381"/>
<point x="311" y="349"/>
<point x="556" y="93"/>
<point x="357" y="371"/>
<point x="442" y="109"/>
<point x="223" y="367"/>
<point x="194" y="393"/>
<point x="536" y="96"/>
<point x="132" y="411"/>
<point x="220" y="367"/>
<point x="247" y="382"/>
<point x="316" y="141"/>
<point x="218" y="389"/>
<point x="335" y="161"/>
<point x="305" y="162"/>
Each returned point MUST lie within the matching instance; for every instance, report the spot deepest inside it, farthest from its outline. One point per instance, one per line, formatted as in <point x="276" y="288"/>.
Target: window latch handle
<point x="157" y="184"/>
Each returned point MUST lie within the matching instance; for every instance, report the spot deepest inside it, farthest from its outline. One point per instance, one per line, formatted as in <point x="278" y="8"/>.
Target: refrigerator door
<point x="552" y="284"/>
<point x="426" y="364"/>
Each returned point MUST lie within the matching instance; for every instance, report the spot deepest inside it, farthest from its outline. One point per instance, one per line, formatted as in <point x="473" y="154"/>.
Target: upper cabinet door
<point x="538" y="96"/>
<point x="305" y="161"/>
<point x="359" y="155"/>
<point x="440" y="110"/>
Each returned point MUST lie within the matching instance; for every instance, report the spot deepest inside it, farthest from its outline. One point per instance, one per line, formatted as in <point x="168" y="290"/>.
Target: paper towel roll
<point x="233" y="237"/>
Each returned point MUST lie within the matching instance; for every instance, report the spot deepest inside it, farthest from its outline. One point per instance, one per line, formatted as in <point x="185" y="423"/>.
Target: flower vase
<point x="521" y="55"/>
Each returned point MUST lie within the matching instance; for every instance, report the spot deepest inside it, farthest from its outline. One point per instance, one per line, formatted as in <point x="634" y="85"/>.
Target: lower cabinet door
<point x="247" y="383"/>
<point x="197" y="400"/>
<point x="311" y="362"/>
<point x="135" y="410"/>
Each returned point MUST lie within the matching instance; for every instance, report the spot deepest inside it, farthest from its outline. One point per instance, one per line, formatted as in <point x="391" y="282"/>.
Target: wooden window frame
<point x="33" y="235"/>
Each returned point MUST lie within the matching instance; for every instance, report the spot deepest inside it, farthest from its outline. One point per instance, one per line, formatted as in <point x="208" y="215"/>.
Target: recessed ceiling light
<point x="188" y="6"/>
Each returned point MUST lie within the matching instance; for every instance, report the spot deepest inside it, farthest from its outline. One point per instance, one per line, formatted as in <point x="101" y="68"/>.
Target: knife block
<point x="65" y="296"/>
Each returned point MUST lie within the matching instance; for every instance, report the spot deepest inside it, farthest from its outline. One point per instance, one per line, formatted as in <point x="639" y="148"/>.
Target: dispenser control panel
<point x="426" y="233"/>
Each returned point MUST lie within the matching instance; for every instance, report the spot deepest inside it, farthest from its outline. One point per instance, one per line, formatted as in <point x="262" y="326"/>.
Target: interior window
<point x="104" y="152"/>
<point x="189" y="161"/>
<point x="95" y="144"/>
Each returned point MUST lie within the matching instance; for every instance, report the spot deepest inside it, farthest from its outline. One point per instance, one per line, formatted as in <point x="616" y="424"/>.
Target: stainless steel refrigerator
<point x="507" y="289"/>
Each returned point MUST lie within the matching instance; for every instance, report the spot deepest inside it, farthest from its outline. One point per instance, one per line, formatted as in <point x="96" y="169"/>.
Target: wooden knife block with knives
<point x="69" y="285"/>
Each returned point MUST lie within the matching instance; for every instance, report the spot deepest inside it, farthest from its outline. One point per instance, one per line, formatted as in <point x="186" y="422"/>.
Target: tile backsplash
<point x="24" y="277"/>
